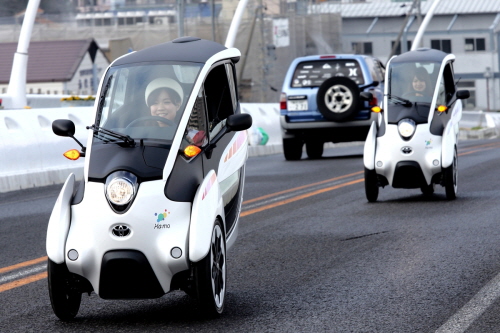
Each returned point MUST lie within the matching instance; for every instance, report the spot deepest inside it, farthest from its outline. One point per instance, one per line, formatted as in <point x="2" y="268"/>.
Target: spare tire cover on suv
<point x="338" y="98"/>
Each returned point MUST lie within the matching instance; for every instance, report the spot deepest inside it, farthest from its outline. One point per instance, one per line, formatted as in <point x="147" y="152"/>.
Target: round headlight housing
<point x="121" y="187"/>
<point x="406" y="127"/>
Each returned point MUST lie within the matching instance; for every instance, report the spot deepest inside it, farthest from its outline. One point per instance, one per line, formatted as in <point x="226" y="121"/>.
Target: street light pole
<point x="487" y="75"/>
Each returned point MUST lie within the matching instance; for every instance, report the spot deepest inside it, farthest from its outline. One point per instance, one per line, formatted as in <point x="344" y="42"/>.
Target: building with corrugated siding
<point x="470" y="29"/>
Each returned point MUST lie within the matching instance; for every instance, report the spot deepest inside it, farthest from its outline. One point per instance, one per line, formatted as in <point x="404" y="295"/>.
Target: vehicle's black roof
<point x="422" y="55"/>
<point x="189" y="49"/>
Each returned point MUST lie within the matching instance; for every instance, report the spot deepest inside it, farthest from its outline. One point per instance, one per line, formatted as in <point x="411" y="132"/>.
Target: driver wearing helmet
<point x="164" y="98"/>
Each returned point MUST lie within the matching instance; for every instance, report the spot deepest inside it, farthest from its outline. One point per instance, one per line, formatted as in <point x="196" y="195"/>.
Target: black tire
<point x="314" y="149"/>
<point x="450" y="175"/>
<point x="338" y="98"/>
<point x="427" y="190"/>
<point x="65" y="300"/>
<point x="210" y="275"/>
<point x="371" y="185"/>
<point x="292" y="149"/>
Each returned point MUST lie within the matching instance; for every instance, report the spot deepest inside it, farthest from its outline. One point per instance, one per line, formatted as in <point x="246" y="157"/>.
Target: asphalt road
<point x="312" y="256"/>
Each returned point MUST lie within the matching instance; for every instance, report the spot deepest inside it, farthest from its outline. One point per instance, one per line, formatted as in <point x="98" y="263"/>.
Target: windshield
<point x="412" y="81"/>
<point x="144" y="101"/>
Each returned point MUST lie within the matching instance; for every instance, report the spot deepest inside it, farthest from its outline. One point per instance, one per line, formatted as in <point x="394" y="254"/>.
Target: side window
<point x="446" y="86"/>
<point x="232" y="85"/>
<point x="195" y="133"/>
<point x="219" y="102"/>
<point x="381" y="69"/>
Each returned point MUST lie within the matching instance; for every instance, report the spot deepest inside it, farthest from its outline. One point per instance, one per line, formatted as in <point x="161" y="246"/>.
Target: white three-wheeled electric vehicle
<point x="159" y="202"/>
<point x="413" y="144"/>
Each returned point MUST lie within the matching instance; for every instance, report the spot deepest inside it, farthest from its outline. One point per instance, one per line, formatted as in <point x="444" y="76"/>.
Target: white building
<point x="470" y="29"/>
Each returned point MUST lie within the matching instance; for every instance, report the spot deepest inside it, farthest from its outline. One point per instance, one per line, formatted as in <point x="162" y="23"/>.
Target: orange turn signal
<point x="72" y="154"/>
<point x="191" y="151"/>
<point x="442" y="108"/>
<point x="376" y="109"/>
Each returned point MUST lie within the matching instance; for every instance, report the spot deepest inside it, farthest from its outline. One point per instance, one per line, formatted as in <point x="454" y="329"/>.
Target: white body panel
<point x="450" y="135"/>
<point x="207" y="206"/>
<point x="370" y="147"/>
<point x="59" y="222"/>
<point x="93" y="220"/>
<point x="425" y="149"/>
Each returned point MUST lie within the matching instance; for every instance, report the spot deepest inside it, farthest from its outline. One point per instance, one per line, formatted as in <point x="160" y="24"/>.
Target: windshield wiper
<point x="403" y="101"/>
<point x="125" y="138"/>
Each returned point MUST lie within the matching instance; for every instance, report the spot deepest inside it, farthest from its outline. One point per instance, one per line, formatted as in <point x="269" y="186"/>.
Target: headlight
<point x="121" y="187"/>
<point x="406" y="127"/>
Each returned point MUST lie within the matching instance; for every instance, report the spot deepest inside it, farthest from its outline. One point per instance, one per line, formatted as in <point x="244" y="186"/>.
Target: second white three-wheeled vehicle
<point x="159" y="202"/>
<point x="413" y="144"/>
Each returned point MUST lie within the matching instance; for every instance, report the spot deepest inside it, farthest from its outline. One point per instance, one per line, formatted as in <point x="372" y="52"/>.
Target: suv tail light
<point x="373" y="101"/>
<point x="283" y="101"/>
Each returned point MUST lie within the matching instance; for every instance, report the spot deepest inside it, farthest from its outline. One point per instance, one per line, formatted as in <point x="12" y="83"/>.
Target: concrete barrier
<point x="32" y="155"/>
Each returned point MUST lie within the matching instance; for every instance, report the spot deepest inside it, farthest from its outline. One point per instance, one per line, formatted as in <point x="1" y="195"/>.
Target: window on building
<point x="398" y="49"/>
<point x="469" y="103"/>
<point x="39" y="91"/>
<point x="475" y="44"/>
<point x="441" y="44"/>
<point x="4" y="90"/>
<point x="362" y="48"/>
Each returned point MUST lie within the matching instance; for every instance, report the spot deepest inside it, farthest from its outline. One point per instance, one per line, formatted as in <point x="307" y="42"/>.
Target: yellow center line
<point x="23" y="264"/>
<point x="299" y="197"/>
<point x="22" y="282"/>
<point x="300" y="187"/>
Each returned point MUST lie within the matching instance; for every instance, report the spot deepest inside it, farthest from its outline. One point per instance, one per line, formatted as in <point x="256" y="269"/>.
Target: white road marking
<point x="478" y="304"/>
<point x="23" y="273"/>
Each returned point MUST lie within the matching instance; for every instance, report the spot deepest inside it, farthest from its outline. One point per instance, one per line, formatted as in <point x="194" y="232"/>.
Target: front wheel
<point x="371" y="185"/>
<point x="427" y="190"/>
<point x="450" y="175"/>
<point x="210" y="274"/>
<point x="64" y="297"/>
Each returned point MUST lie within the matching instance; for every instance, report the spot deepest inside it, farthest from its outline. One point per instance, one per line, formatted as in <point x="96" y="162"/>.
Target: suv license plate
<point x="300" y="105"/>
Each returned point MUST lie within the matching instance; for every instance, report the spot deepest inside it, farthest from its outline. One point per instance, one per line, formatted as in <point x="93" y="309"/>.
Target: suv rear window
<point x="314" y="73"/>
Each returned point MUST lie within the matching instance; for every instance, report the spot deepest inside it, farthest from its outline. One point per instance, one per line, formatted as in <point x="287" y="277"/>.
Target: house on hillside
<point x="62" y="67"/>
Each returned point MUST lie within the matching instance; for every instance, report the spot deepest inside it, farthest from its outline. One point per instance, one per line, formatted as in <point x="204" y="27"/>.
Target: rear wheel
<point x="450" y="175"/>
<point x="314" y="149"/>
<point x="64" y="296"/>
<point x="371" y="185"/>
<point x="210" y="274"/>
<point x="292" y="149"/>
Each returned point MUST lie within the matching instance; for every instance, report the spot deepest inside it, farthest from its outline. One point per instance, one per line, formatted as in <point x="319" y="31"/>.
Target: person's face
<point x="418" y="85"/>
<point x="164" y="106"/>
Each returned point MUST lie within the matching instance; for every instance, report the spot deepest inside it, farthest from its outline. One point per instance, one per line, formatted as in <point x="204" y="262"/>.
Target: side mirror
<point x="63" y="127"/>
<point x="239" y="122"/>
<point x="234" y="123"/>
<point x="366" y="95"/>
<point x="463" y="94"/>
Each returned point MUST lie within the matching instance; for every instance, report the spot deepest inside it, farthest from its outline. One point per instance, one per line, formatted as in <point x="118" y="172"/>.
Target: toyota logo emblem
<point x="406" y="150"/>
<point x="121" y="230"/>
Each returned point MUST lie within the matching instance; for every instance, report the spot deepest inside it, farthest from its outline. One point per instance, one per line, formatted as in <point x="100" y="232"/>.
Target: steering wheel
<point x="151" y="118"/>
